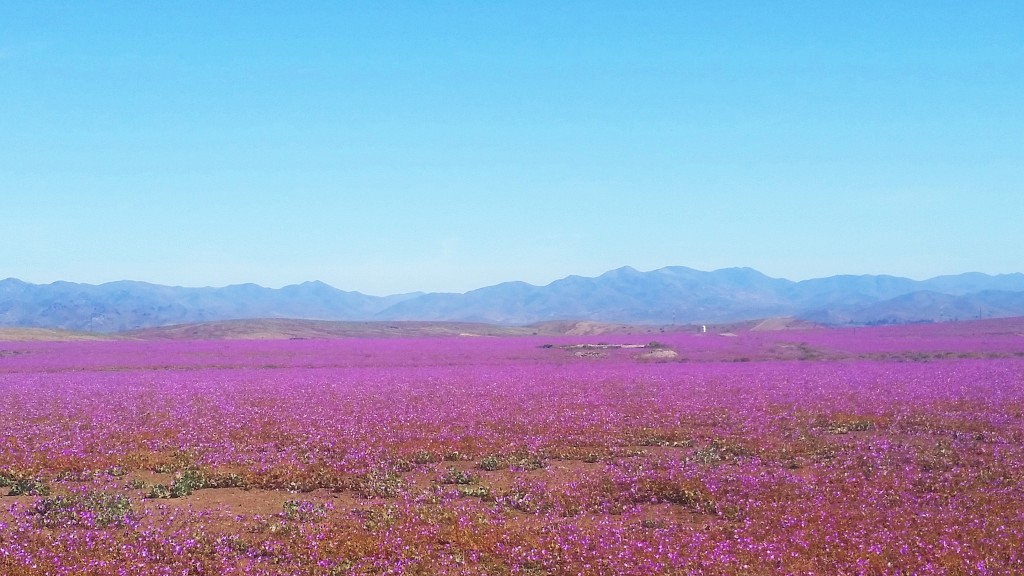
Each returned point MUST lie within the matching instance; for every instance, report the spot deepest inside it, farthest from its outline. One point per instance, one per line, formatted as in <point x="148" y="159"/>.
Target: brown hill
<point x="282" y="328"/>
<point x="48" y="335"/>
<point x="770" y="324"/>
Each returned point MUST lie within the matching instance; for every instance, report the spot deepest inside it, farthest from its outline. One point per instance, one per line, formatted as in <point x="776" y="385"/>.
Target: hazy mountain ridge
<point x="668" y="295"/>
<point x="127" y="305"/>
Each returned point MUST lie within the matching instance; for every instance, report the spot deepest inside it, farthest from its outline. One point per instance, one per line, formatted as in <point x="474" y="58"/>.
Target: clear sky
<point x="388" y="147"/>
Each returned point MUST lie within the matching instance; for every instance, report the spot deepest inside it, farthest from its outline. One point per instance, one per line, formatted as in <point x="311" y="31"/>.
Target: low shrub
<point x="29" y="487"/>
<point x="490" y="463"/>
<point x="306" y="510"/>
<point x="86" y="509"/>
<point x="453" y="475"/>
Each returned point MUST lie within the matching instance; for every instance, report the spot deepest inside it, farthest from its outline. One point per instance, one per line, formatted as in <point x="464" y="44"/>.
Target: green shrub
<point x="306" y="510"/>
<point x="380" y="518"/>
<point x="379" y="484"/>
<point x="453" y="475"/>
<point x="87" y="509"/>
<point x="29" y="487"/>
<point x="482" y="492"/>
<point x="117" y="471"/>
<point x="527" y="462"/>
<point x="159" y="491"/>
<point x="453" y="456"/>
<point x="187" y="482"/>
<point x="490" y="463"/>
<point x="424" y="457"/>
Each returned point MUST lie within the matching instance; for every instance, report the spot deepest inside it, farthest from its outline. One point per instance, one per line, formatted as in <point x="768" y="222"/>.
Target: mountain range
<point x="670" y="295"/>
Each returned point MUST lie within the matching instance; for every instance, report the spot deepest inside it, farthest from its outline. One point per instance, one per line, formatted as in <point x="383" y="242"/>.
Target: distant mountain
<point x="668" y="295"/>
<point x="925" y="306"/>
<point x="125" y="305"/>
<point x="622" y="295"/>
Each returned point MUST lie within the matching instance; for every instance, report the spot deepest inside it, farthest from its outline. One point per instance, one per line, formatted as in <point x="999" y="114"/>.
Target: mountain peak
<point x="621" y="271"/>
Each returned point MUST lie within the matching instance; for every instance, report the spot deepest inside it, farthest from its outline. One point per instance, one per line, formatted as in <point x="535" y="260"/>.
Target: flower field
<point x="869" y="451"/>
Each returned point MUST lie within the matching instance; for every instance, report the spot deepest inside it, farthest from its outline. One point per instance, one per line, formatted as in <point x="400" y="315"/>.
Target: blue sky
<point x="442" y="146"/>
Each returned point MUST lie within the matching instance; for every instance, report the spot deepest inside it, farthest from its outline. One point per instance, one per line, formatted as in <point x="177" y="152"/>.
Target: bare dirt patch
<point x="659" y="355"/>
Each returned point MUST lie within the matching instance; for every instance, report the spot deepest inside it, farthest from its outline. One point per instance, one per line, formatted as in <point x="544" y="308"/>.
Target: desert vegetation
<point x="881" y="451"/>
